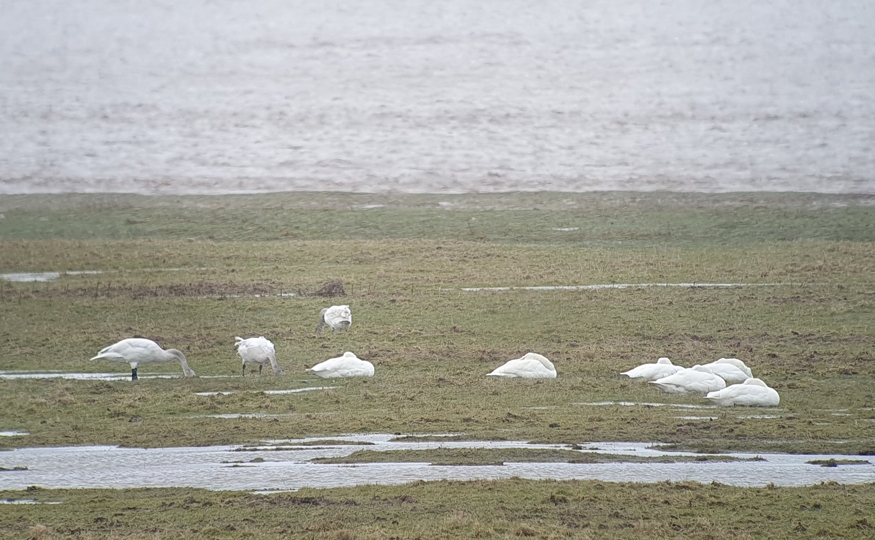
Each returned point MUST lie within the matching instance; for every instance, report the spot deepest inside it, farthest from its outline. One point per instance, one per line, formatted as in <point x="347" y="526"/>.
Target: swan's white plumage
<point x="530" y="366"/>
<point x="751" y="393"/>
<point x="348" y="365"/>
<point x="651" y="372"/>
<point x="693" y="379"/>
<point x="335" y="317"/>
<point x="728" y="372"/>
<point x="136" y="351"/>
<point x="735" y="362"/>
<point x="257" y="350"/>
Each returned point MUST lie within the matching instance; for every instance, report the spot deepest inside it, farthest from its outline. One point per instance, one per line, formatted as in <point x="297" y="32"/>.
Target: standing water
<point x="222" y="96"/>
<point x="285" y="465"/>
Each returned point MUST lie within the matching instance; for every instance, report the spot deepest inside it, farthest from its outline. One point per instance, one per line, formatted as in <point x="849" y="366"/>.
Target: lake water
<point x="285" y="465"/>
<point x="223" y="96"/>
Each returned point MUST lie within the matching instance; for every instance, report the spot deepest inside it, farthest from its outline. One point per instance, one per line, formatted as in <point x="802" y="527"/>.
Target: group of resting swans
<point x="711" y="380"/>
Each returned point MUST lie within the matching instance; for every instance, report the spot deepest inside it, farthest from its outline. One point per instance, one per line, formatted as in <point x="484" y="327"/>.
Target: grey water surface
<point x="286" y="466"/>
<point x="223" y="96"/>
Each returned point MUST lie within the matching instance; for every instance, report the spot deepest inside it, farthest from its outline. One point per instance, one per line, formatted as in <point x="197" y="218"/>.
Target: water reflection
<point x="284" y="465"/>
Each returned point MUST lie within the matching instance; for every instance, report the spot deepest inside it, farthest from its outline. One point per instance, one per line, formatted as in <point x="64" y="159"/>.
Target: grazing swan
<point x="257" y="350"/>
<point x="651" y="372"/>
<point x="348" y="365"/>
<point x="335" y="317"/>
<point x="752" y="393"/>
<point x="530" y="366"/>
<point x="694" y="379"/>
<point x="735" y="362"/>
<point x="728" y="372"/>
<point x="136" y="351"/>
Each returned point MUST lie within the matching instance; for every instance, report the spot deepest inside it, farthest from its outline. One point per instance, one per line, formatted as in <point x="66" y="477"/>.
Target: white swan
<point x="530" y="366"/>
<point x="335" y="317"/>
<point x="752" y="393"/>
<point x="735" y="362"/>
<point x="136" y="351"/>
<point x="348" y="365"/>
<point x="651" y="372"/>
<point x="728" y="372"/>
<point x="257" y="350"/>
<point x="693" y="379"/>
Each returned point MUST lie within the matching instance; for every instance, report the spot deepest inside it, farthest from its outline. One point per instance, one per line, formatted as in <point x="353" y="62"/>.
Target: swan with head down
<point x="728" y="372"/>
<point x="651" y="372"/>
<point x="751" y="393"/>
<point x="735" y="362"/>
<point x="136" y="351"/>
<point x="694" y="379"/>
<point x="334" y="317"/>
<point x="257" y="350"/>
<point x="530" y="366"/>
<point x="348" y="365"/>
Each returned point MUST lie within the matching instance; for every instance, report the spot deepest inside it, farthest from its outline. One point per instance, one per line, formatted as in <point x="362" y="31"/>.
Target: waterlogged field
<point x="194" y="272"/>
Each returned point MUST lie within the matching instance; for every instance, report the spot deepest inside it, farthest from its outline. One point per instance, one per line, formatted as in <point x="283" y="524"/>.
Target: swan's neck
<point x="177" y="355"/>
<point x="273" y="364"/>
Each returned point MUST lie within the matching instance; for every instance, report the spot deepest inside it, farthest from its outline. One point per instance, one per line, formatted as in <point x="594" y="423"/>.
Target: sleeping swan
<point x="530" y="366"/>
<point x="335" y="317"/>
<point x="728" y="372"/>
<point x="347" y="365"/>
<point x="694" y="379"/>
<point x="257" y="350"/>
<point x="751" y="393"/>
<point x="735" y="362"/>
<point x="136" y="351"/>
<point x="651" y="372"/>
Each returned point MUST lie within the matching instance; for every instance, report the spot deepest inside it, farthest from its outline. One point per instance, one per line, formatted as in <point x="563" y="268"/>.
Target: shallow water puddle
<point x="284" y="465"/>
<point x="26" y="501"/>
<point x="77" y="376"/>
<point x="268" y="392"/>
<point x="643" y="404"/>
<point x="620" y="286"/>
<point x="30" y="277"/>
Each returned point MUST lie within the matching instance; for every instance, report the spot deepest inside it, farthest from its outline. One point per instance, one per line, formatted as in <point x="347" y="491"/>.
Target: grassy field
<point x="482" y="509"/>
<point x="193" y="272"/>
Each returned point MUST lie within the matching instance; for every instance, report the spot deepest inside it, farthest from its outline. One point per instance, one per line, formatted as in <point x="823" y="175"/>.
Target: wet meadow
<point x="443" y="289"/>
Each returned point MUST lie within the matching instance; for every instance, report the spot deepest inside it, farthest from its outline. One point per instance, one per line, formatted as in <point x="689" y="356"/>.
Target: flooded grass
<point x="403" y="262"/>
<point x="431" y="343"/>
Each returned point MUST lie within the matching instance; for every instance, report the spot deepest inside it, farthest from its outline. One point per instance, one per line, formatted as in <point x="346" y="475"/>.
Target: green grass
<point x="185" y="271"/>
<point x="512" y="508"/>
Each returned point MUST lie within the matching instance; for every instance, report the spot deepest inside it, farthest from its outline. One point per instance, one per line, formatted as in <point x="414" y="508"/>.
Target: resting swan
<point x="694" y="379"/>
<point x="348" y="365"/>
<point x="257" y="350"/>
<point x="728" y="372"/>
<point x="136" y="351"/>
<point x="735" y="362"/>
<point x="751" y="393"/>
<point x="651" y="372"/>
<point x="335" y="317"/>
<point x="530" y="366"/>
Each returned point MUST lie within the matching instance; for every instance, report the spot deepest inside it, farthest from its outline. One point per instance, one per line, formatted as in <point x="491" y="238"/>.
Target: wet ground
<point x="285" y="465"/>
